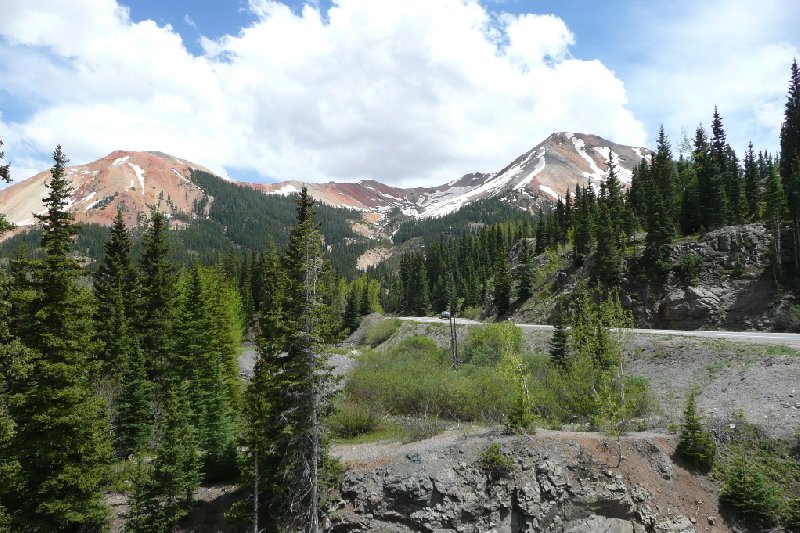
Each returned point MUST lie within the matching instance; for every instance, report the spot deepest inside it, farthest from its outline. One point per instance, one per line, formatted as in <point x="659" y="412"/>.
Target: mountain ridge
<point x="138" y="182"/>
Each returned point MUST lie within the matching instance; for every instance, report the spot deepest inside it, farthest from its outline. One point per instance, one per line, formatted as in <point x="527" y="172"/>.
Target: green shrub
<point x="748" y="493"/>
<point x="495" y="463"/>
<point x="381" y="331"/>
<point x="791" y="515"/>
<point x="639" y="400"/>
<point x="350" y="421"/>
<point x="690" y="264"/>
<point x="486" y="344"/>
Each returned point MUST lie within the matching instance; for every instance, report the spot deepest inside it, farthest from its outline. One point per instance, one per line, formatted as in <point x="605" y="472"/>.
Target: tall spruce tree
<point x="295" y="387"/>
<point x="62" y="439"/>
<point x="14" y="368"/>
<point x="774" y="214"/>
<point x="115" y="288"/>
<point x="163" y="490"/>
<point x="790" y="159"/>
<point x="502" y="285"/>
<point x="156" y="314"/>
<point x="752" y="186"/>
<point x="526" y="273"/>
<point x="560" y="340"/>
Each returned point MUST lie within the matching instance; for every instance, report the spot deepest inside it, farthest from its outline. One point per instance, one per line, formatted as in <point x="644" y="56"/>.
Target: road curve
<point x="760" y="337"/>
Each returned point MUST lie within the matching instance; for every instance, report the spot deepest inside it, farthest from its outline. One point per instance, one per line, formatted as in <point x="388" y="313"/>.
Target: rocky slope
<point x="558" y="482"/>
<point x="718" y="280"/>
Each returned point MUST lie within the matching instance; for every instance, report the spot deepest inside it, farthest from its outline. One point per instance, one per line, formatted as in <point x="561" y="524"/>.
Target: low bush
<point x="351" y="421"/>
<point x="495" y="463"/>
<point x="485" y="345"/>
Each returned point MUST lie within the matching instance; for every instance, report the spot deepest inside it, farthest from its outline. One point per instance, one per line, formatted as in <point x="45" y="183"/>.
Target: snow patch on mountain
<point x="580" y="147"/>
<point x="550" y="192"/>
<point x="286" y="190"/>
<point x="180" y="176"/>
<point x="139" y="175"/>
<point x="539" y="167"/>
<point x="120" y="160"/>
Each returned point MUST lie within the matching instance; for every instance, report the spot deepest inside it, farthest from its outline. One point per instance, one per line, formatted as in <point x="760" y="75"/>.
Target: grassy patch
<point x="414" y="379"/>
<point x="381" y="331"/>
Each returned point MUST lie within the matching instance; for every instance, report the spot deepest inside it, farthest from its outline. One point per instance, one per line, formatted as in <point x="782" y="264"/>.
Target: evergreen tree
<point x="14" y="369"/>
<point x="583" y="216"/>
<point x="296" y="386"/>
<point x="790" y="150"/>
<point x="502" y="285"/>
<point x="608" y="259"/>
<point x="156" y="315"/>
<point x="351" y="317"/>
<point x="560" y="339"/>
<point x="774" y="213"/>
<point x="133" y="423"/>
<point x="62" y="437"/>
<point x="208" y="340"/>
<point x="163" y="492"/>
<point x="694" y="443"/>
<point x="526" y="273"/>
<point x="747" y="492"/>
<point x="752" y="186"/>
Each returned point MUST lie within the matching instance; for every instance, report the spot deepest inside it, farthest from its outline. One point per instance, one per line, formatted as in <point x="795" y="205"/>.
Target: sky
<point x="408" y="92"/>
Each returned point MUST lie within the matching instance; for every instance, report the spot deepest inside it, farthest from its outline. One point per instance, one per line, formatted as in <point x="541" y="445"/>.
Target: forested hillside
<point x="239" y="218"/>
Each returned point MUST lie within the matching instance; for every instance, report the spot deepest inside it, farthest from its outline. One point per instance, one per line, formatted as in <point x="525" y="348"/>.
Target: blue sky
<point x="405" y="91"/>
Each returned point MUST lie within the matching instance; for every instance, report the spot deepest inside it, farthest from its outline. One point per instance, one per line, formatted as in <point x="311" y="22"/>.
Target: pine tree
<point x="716" y="193"/>
<point x="502" y="285"/>
<point x="296" y="385"/>
<point x="14" y="369"/>
<point x="790" y="152"/>
<point x="62" y="440"/>
<point x="560" y="339"/>
<point x="774" y="215"/>
<point x="694" y="443"/>
<point x="351" y="317"/>
<point x="116" y="292"/>
<point x="156" y="315"/>
<point x="525" y="290"/>
<point x="752" y="186"/>
<point x="746" y="490"/>
<point x="202" y="358"/>
<point x="163" y="493"/>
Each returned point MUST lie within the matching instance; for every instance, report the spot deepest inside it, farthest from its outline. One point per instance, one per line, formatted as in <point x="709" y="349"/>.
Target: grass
<point x="388" y="430"/>
<point x="381" y="331"/>
<point x="414" y="379"/>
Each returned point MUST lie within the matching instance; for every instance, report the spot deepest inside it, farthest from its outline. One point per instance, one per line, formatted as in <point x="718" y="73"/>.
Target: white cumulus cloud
<point x="405" y="91"/>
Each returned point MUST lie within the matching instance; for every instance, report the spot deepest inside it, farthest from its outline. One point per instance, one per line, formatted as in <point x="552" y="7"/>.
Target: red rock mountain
<point x="138" y="182"/>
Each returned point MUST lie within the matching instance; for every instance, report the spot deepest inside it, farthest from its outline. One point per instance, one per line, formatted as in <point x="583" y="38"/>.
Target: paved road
<point x="789" y="339"/>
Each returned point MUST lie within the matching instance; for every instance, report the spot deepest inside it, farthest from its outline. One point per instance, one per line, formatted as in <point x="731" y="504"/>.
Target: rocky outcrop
<point x="554" y="486"/>
<point x="721" y="279"/>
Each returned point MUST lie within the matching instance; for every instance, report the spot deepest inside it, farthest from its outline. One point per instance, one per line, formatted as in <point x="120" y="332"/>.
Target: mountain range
<point x="138" y="182"/>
